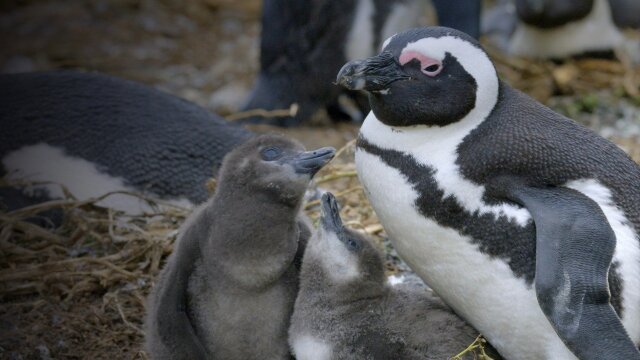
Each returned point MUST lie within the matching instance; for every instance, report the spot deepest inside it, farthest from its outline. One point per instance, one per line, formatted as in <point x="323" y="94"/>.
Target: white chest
<point x="481" y="289"/>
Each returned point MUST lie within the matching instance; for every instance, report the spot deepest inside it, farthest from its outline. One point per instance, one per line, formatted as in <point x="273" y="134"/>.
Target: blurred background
<point x="207" y="51"/>
<point x="78" y="292"/>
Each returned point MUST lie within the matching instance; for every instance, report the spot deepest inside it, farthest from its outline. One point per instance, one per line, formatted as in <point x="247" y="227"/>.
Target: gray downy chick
<point x="346" y="310"/>
<point x="228" y="289"/>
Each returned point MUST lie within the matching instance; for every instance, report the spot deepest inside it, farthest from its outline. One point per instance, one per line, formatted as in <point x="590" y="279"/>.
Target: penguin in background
<point x="95" y="134"/>
<point x="561" y="28"/>
<point x="524" y="222"/>
<point x="345" y="308"/>
<point x="299" y="51"/>
<point x="227" y="290"/>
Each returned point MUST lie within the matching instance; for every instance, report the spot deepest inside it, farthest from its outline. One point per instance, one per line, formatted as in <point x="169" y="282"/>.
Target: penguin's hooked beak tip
<point x="330" y="212"/>
<point x="374" y="74"/>
<point x="351" y="75"/>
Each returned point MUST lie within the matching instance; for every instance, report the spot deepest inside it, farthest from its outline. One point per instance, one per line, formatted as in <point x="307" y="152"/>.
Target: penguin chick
<point x="346" y="310"/>
<point x="228" y="289"/>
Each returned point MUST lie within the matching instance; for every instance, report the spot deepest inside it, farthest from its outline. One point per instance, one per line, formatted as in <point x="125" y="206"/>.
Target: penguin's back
<point x="525" y="138"/>
<point x="151" y="139"/>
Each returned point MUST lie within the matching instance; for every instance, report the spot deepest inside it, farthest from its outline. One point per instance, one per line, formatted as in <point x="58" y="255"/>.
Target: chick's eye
<point x="352" y="244"/>
<point x="270" y="154"/>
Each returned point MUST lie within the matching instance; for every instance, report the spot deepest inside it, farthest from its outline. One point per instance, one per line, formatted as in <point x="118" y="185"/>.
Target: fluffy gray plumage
<point x="346" y="310"/>
<point x="228" y="289"/>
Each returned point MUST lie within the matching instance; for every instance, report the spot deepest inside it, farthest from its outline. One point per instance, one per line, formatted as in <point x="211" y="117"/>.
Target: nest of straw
<point x="79" y="291"/>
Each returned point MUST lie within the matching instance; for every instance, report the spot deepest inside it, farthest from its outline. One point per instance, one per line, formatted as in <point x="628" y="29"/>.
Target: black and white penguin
<point x="346" y="309"/>
<point x="228" y="289"/>
<point x="96" y="134"/>
<point x="557" y="29"/>
<point x="523" y="221"/>
<point x="304" y="43"/>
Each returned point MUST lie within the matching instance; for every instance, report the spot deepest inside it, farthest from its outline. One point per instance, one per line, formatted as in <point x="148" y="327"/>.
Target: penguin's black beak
<point x="373" y="74"/>
<point x="309" y="162"/>
<point x="330" y="220"/>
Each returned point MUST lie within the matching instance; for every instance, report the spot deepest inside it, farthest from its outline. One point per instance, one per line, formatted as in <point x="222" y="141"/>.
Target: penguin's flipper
<point x="574" y="250"/>
<point x="173" y="323"/>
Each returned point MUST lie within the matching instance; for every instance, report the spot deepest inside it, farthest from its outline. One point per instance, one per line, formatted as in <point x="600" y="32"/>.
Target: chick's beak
<point x="330" y="210"/>
<point x="309" y="162"/>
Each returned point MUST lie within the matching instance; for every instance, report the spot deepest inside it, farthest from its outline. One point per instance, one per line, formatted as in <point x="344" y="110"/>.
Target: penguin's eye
<point x="271" y="153"/>
<point x="352" y="244"/>
<point x="432" y="70"/>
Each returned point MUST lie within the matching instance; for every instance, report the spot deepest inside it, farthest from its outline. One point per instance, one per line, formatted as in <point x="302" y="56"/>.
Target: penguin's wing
<point x="574" y="250"/>
<point x="172" y="318"/>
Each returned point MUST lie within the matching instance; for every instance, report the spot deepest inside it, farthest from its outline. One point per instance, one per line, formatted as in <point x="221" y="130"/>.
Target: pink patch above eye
<point x="425" y="62"/>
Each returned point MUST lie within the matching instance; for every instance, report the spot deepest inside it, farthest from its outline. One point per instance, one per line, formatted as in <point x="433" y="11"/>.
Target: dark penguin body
<point x="438" y="161"/>
<point x="95" y="133"/>
<point x="626" y="13"/>
<point x="304" y="43"/>
<point x="228" y="289"/>
<point x="346" y="310"/>
<point x="556" y="29"/>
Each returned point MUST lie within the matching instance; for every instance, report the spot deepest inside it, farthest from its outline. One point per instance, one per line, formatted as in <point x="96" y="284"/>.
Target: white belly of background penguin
<point x="595" y="32"/>
<point x="95" y="134"/>
<point x="473" y="182"/>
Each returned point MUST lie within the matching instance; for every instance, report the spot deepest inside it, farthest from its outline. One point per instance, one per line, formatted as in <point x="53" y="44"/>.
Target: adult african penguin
<point x="560" y="28"/>
<point x="95" y="134"/>
<point x="523" y="221"/>
<point x="303" y="44"/>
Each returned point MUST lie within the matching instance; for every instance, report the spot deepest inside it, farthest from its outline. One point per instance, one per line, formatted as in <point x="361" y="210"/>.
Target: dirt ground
<point x="78" y="292"/>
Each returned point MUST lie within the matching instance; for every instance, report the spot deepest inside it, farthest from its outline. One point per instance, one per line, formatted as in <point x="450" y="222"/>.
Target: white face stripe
<point x="473" y="59"/>
<point x="386" y="42"/>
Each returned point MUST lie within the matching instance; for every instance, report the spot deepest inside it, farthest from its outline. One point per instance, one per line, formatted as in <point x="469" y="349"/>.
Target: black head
<point x="425" y="76"/>
<point x="552" y="13"/>
<point x="272" y="165"/>
<point x="347" y="255"/>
